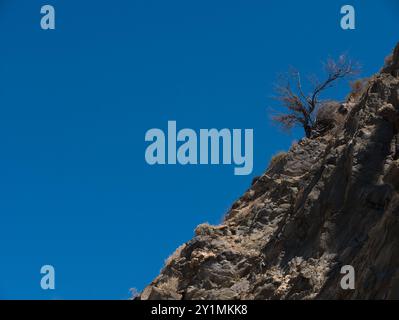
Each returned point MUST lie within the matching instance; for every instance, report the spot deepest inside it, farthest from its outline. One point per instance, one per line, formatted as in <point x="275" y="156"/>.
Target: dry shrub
<point x="175" y="254"/>
<point x="357" y="88"/>
<point x="279" y="156"/>
<point x="388" y="60"/>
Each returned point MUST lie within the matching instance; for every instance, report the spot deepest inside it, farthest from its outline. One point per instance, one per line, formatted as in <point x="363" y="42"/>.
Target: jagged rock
<point x="330" y="201"/>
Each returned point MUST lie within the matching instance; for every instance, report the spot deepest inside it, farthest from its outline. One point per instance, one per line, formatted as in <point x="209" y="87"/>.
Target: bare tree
<point x="300" y="108"/>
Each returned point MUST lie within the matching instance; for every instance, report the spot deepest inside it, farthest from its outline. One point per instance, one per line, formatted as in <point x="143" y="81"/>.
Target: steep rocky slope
<point x="330" y="201"/>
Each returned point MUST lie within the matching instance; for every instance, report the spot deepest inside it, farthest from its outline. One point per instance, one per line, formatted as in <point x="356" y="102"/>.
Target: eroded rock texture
<point x="330" y="201"/>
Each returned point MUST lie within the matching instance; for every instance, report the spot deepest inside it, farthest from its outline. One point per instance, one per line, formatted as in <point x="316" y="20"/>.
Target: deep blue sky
<point x="76" y="102"/>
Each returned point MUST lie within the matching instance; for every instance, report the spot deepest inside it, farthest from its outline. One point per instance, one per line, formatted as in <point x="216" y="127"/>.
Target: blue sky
<point x="75" y="103"/>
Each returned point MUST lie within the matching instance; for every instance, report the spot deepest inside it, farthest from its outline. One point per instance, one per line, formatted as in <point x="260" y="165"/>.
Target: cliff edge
<point x="330" y="201"/>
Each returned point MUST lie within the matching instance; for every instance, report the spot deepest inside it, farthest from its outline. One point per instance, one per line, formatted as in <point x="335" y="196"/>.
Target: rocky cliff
<point x="330" y="201"/>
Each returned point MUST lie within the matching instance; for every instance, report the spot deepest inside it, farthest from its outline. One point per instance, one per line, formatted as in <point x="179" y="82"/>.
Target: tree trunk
<point x="308" y="130"/>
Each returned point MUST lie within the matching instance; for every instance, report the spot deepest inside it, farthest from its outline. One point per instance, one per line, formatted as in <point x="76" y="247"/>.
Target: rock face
<point x="330" y="201"/>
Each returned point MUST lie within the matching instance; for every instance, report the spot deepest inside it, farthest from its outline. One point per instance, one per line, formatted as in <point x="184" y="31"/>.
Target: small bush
<point x="174" y="255"/>
<point x="134" y="293"/>
<point x="171" y="284"/>
<point x="357" y="88"/>
<point x="277" y="158"/>
<point x="388" y="60"/>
